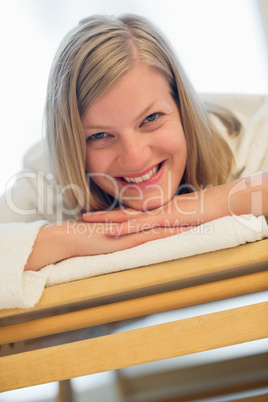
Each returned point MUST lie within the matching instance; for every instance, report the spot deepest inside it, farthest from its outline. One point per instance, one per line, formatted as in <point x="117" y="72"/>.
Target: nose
<point x="134" y="151"/>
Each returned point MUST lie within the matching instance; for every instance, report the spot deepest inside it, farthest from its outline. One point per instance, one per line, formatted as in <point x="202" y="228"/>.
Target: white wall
<point x="220" y="43"/>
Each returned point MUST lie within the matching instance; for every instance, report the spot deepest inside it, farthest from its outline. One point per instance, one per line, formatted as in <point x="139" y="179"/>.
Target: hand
<point x="56" y="242"/>
<point x="181" y="213"/>
<point x="106" y="232"/>
<point x="243" y="196"/>
<point x="94" y="238"/>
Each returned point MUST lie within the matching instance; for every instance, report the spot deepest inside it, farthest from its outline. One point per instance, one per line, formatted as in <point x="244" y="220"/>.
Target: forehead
<point x="136" y="89"/>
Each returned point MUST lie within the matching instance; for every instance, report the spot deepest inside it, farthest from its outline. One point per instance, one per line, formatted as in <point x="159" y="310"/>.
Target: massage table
<point x="29" y="356"/>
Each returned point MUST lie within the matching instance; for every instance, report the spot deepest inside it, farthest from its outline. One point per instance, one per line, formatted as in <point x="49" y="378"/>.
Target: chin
<point x="146" y="205"/>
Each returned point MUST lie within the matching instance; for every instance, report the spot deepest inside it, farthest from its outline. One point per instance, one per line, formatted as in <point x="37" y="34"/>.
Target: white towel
<point x="17" y="287"/>
<point x="219" y="234"/>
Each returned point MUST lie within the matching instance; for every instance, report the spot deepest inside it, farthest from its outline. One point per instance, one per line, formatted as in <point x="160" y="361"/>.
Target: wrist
<point x="52" y="245"/>
<point x="246" y="196"/>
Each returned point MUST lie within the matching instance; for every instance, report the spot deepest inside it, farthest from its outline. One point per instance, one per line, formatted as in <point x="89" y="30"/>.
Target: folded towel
<point x="219" y="234"/>
<point x="24" y="288"/>
<point x="19" y="288"/>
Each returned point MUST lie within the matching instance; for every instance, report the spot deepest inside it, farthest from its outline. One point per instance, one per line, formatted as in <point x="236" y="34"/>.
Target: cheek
<point x="178" y="141"/>
<point x="98" y="167"/>
<point x="181" y="144"/>
<point x="96" y="162"/>
<point x="174" y="143"/>
<point x="97" y="170"/>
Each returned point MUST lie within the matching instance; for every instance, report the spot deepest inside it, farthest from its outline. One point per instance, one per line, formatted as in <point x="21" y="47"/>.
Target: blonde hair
<point x="89" y="60"/>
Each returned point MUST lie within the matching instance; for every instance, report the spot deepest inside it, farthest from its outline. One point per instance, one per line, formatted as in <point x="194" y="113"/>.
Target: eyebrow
<point x="102" y="127"/>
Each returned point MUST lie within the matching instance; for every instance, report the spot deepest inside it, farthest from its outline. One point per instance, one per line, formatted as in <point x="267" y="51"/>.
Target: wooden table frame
<point x="131" y="294"/>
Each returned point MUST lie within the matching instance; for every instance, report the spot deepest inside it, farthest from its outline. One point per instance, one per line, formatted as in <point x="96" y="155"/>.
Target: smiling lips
<point x="143" y="178"/>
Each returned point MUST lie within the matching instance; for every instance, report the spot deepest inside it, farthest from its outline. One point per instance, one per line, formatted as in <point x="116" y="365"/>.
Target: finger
<point x="137" y="239"/>
<point x="143" y="222"/>
<point x="117" y="230"/>
<point x="120" y="215"/>
<point x="130" y="227"/>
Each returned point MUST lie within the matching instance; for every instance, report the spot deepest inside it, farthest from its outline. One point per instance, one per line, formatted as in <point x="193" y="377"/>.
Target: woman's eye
<point x="151" y="117"/>
<point x="97" y="136"/>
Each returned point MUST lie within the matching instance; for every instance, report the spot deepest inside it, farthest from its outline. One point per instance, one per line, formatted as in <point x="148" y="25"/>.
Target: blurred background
<point x="222" y="44"/>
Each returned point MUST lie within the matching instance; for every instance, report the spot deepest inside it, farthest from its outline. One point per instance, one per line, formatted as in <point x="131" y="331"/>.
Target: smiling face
<point x="136" y="149"/>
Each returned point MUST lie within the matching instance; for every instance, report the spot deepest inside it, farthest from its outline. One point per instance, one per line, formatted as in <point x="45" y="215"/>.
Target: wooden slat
<point x="256" y="398"/>
<point x="213" y="393"/>
<point x="147" y="277"/>
<point x="196" y="382"/>
<point x="135" y="308"/>
<point x="138" y="346"/>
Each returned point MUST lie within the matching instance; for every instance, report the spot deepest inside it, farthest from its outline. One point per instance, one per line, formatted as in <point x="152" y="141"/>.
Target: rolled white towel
<point x="219" y="234"/>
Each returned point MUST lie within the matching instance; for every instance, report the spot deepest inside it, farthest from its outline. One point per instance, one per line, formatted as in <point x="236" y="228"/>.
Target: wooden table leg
<point x="65" y="392"/>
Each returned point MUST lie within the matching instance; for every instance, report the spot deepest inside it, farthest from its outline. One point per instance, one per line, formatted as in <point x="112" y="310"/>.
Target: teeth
<point x="140" y="179"/>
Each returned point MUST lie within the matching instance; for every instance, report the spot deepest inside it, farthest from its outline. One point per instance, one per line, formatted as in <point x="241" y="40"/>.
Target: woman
<point x="126" y="135"/>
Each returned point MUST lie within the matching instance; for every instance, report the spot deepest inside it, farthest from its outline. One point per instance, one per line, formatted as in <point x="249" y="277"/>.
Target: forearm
<point x="52" y="245"/>
<point x="241" y="197"/>
<point x="244" y="196"/>
<point x="249" y="196"/>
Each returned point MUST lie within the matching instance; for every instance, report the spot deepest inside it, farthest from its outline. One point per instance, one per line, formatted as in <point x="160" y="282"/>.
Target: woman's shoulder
<point x="36" y="159"/>
<point x="250" y="147"/>
<point x="34" y="193"/>
<point x="244" y="106"/>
